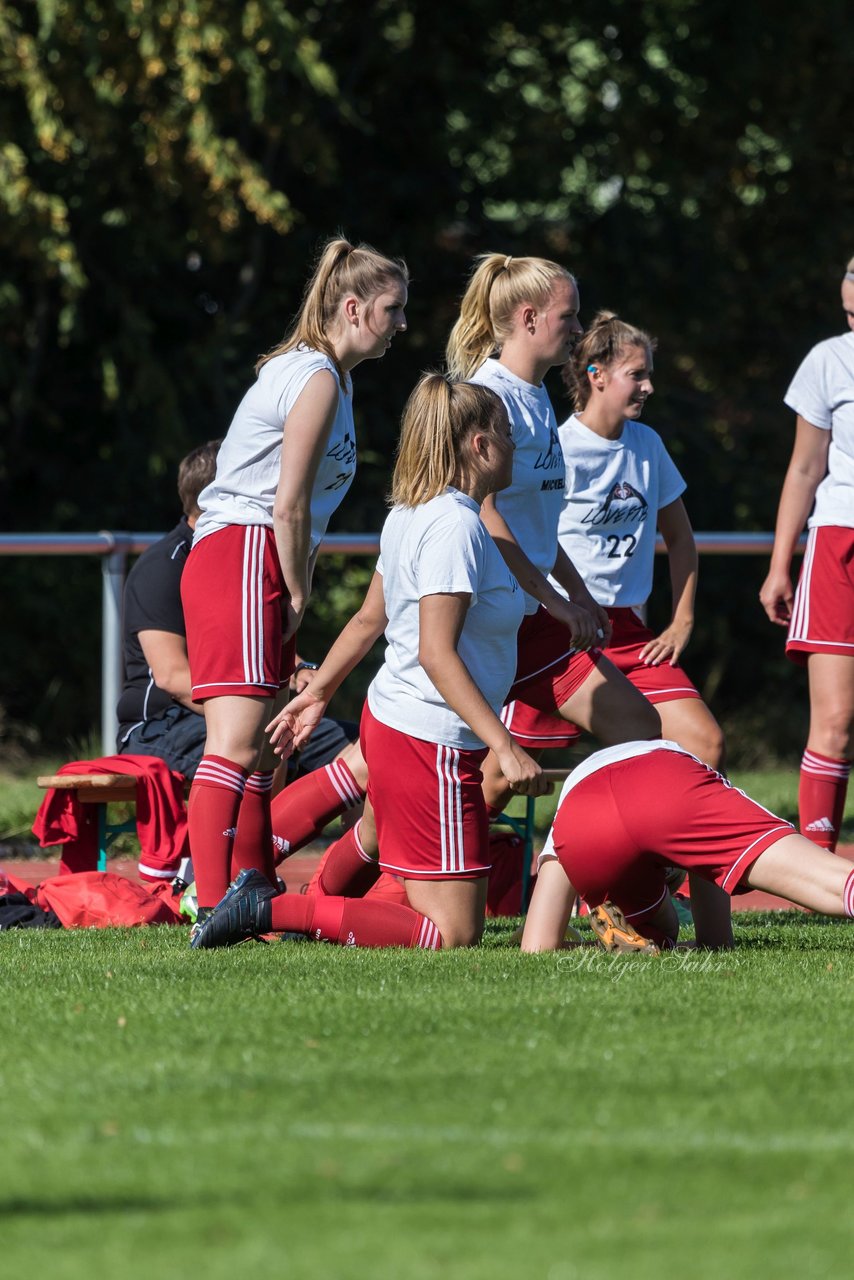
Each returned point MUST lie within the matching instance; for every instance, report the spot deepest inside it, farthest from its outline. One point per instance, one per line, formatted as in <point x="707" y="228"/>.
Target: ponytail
<point x="340" y="269"/>
<point x="604" y="342"/>
<point x="440" y="415"/>
<point x="497" y="287"/>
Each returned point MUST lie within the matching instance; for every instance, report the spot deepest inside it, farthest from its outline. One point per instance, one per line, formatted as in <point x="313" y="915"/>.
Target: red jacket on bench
<point x="161" y="817"/>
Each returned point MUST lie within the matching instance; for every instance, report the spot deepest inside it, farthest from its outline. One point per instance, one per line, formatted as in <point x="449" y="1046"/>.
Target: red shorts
<point x="823" y="611"/>
<point x="534" y="729"/>
<point x="428" y="805"/>
<point x="620" y="828"/>
<point x="657" y="684"/>
<point x="548" y="670"/>
<point x="232" y="591"/>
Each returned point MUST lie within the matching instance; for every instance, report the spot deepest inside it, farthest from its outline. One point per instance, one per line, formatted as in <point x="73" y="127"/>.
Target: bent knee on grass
<point x="456" y="908"/>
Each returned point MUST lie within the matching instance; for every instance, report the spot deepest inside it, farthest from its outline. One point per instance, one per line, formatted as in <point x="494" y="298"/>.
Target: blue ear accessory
<point x="591" y="368"/>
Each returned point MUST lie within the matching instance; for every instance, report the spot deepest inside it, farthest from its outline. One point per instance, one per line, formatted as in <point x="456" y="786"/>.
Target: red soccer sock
<point x="303" y="809"/>
<point x="211" y="820"/>
<point x="821" y="797"/>
<point x="253" y="843"/>
<point x="350" y="922"/>
<point x="348" y="872"/>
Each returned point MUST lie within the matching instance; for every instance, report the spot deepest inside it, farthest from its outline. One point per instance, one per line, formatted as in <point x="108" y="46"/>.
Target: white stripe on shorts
<point x="799" y="627"/>
<point x="450" y="808"/>
<point x="253" y="603"/>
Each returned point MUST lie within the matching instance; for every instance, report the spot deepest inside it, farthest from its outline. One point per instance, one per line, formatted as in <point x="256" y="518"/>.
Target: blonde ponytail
<point x="498" y="285"/>
<point x="341" y="268"/>
<point x="439" y="417"/>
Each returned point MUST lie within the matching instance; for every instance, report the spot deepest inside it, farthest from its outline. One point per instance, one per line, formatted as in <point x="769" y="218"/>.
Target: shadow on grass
<point x="97" y="1204"/>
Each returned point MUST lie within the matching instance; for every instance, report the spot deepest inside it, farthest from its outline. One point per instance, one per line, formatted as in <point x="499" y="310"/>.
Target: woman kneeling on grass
<point x="629" y="812"/>
<point x="450" y="610"/>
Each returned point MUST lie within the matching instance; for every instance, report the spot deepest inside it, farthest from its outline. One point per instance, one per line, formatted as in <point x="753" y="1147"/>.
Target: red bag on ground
<point x="17" y="885"/>
<point x="101" y="899"/>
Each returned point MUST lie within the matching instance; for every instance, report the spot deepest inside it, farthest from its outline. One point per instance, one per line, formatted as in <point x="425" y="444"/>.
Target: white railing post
<point x="112" y="584"/>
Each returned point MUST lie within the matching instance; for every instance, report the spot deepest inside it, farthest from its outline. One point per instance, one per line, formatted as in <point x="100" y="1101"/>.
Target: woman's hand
<point x="668" y="645"/>
<point x="523" y="774"/>
<point x="777" y="596"/>
<point x="587" y="630"/>
<point x="295" y="723"/>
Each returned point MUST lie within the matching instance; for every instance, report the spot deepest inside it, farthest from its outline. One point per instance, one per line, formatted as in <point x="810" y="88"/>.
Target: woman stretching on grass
<point x="450" y="610"/>
<point x="630" y="812"/>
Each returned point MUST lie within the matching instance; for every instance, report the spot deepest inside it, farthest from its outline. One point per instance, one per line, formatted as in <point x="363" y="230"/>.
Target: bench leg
<point x="102" y="837"/>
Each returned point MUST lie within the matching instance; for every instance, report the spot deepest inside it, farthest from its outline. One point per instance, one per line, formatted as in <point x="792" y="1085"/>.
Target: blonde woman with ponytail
<point x="450" y="610"/>
<point x="518" y="319"/>
<point x="285" y="464"/>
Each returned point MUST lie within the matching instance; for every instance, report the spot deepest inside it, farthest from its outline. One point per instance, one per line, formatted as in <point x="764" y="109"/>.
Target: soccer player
<point x="819" y="491"/>
<point x="518" y="319"/>
<point x="621" y="485"/>
<point x="632" y="811"/>
<point x="283" y="468"/>
<point x="450" y="610"/>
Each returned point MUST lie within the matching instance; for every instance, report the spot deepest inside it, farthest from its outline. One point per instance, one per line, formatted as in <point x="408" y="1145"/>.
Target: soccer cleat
<point x="615" y="933"/>
<point x="235" y="918"/>
<point x="202" y="914"/>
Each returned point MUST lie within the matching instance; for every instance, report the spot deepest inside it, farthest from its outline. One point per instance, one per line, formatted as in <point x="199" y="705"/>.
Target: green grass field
<point x="309" y="1111"/>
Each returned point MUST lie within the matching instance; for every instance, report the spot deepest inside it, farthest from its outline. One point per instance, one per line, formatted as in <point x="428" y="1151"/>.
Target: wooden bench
<point x="100" y="789"/>
<point x="524" y="828"/>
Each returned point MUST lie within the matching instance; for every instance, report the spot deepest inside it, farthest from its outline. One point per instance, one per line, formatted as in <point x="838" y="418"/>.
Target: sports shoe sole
<point x="616" y="935"/>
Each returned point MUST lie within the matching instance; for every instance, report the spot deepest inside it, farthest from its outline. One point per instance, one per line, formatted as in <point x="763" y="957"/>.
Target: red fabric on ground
<point x="100" y="900"/>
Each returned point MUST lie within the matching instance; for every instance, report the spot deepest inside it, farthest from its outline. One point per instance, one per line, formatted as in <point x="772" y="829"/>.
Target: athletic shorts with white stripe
<point x="823" y="609"/>
<point x="232" y="591"/>
<point x="617" y="832"/>
<point x="428" y="804"/>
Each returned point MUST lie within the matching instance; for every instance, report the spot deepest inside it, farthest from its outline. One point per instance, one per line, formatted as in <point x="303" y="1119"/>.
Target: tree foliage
<point x="167" y="168"/>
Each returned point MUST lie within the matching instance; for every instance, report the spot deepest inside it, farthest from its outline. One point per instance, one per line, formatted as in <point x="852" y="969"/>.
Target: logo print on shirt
<point x="345" y="451"/>
<point x="553" y="457"/>
<point x="624" y="504"/>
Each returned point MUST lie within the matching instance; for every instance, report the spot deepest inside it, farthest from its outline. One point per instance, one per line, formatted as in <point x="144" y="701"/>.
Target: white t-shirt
<point x="531" y="505"/>
<point x="614" y="491"/>
<point x="435" y="549"/>
<point x="247" y="470"/>
<point x="600" y="760"/>
<point x="822" y="391"/>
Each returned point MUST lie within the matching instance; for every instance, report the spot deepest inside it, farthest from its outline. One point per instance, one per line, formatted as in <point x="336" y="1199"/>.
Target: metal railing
<point x="114" y="548"/>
